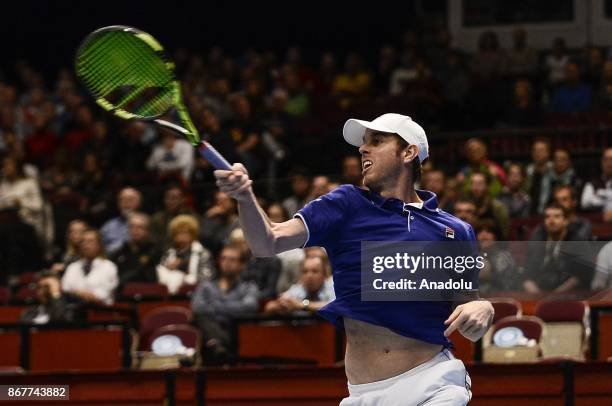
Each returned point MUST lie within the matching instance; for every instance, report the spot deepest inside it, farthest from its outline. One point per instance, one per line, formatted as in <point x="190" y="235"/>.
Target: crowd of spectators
<point x="97" y="203"/>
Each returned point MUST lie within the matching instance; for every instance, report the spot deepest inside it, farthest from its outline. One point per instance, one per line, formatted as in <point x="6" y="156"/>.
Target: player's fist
<point x="235" y="183"/>
<point x="471" y="319"/>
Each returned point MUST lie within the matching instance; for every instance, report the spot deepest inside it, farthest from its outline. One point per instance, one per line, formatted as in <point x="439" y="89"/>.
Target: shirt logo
<point x="449" y="233"/>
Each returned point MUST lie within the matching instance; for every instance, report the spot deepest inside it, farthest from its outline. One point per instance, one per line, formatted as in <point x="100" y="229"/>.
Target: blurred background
<point x="113" y="235"/>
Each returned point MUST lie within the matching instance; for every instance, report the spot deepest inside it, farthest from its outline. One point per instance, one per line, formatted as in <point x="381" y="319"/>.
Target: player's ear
<point x="410" y="153"/>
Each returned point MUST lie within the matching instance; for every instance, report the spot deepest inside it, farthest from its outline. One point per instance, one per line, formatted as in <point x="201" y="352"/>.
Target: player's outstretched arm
<point x="264" y="237"/>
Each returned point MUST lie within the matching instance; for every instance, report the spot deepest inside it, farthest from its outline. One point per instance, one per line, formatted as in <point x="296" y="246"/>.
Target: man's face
<point x="351" y="169"/>
<point x="300" y="185"/>
<point x="606" y="162"/>
<point x="554" y="220"/>
<point x="564" y="198"/>
<point x="138" y="229"/>
<point x="380" y="160"/>
<point x="230" y="263"/>
<point x="90" y="247"/>
<point x="561" y="161"/>
<point x="320" y="186"/>
<point x="515" y="177"/>
<point x="313" y="274"/>
<point x="128" y="201"/>
<point x="486" y="238"/>
<point x="173" y="200"/>
<point x="476" y="151"/>
<point x="224" y="201"/>
<point x="478" y="186"/>
<point x="540" y="152"/>
<point x="435" y="182"/>
<point x="466" y="211"/>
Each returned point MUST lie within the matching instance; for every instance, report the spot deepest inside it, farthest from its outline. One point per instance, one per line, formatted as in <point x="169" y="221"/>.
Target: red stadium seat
<point x="143" y="290"/>
<point x="26" y="294"/>
<point x="5" y="295"/>
<point x="505" y="307"/>
<point x="567" y="329"/>
<point x="189" y="335"/>
<point x="161" y="317"/>
<point x="531" y="326"/>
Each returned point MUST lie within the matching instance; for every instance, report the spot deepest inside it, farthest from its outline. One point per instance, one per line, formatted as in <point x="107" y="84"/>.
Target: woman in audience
<point x="70" y="254"/>
<point x="187" y="261"/>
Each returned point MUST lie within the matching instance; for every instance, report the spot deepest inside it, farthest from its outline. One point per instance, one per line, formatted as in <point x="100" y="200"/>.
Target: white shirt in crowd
<point x="603" y="270"/>
<point x="180" y="157"/>
<point x="594" y="197"/>
<point x="102" y="280"/>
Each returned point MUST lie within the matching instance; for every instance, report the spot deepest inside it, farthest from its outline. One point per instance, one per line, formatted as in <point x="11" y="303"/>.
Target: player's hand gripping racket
<point x="127" y="72"/>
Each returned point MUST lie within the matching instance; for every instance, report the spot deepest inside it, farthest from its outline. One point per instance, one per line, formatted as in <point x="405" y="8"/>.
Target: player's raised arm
<point x="264" y="237"/>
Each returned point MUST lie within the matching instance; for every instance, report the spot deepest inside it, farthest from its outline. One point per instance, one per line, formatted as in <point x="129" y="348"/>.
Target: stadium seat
<point x="532" y="328"/>
<point x="5" y="295"/>
<point x="190" y="337"/>
<point x="142" y="290"/>
<point x="567" y="329"/>
<point x="25" y="294"/>
<point x="161" y="317"/>
<point x="503" y="307"/>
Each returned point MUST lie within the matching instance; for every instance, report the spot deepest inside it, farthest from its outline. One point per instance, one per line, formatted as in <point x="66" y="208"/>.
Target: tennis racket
<point x="129" y="75"/>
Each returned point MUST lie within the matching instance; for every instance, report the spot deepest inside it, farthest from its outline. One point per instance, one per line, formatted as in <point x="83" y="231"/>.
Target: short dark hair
<point x="555" y="205"/>
<point x="572" y="191"/>
<point x="417" y="170"/>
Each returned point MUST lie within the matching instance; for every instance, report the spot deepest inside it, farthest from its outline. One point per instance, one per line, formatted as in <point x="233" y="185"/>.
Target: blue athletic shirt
<point x="341" y="219"/>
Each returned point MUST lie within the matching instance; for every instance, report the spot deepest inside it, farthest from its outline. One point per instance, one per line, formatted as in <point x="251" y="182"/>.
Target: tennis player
<point x="397" y="351"/>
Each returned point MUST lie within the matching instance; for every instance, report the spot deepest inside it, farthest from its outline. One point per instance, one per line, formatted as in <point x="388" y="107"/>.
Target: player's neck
<point x="402" y="191"/>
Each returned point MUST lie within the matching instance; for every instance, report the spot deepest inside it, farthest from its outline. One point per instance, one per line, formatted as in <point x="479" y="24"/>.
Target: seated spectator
<point x="216" y="301"/>
<point x="353" y="85"/>
<point x="187" y="261"/>
<point x="513" y="196"/>
<point x="21" y="248"/>
<point x="524" y="110"/>
<point x="174" y="204"/>
<point x="465" y="210"/>
<point x="573" y="96"/>
<point x="300" y="190"/>
<point x="521" y="59"/>
<point x="597" y="194"/>
<point x="476" y="153"/>
<point x="309" y="295"/>
<point x="52" y="307"/>
<point x="321" y="185"/>
<point x="71" y="253"/>
<point x="486" y="206"/>
<point x="137" y="258"/>
<point x="539" y="166"/>
<point x="19" y="191"/>
<point x="93" y="278"/>
<point x="579" y="228"/>
<point x="602" y="278"/>
<point x="556" y="63"/>
<point x="500" y="272"/>
<point x="246" y="131"/>
<point x="549" y="266"/>
<point x="219" y="222"/>
<point x="172" y="157"/>
<point x="290" y="260"/>
<point x="351" y="170"/>
<point x="263" y="271"/>
<point x="562" y="173"/>
<point x="435" y="181"/>
<point x="114" y="231"/>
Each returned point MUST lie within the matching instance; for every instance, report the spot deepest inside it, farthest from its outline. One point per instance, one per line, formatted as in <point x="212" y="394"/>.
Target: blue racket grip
<point x="213" y="156"/>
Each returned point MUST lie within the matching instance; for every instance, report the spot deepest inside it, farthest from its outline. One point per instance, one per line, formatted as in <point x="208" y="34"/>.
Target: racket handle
<point x="213" y="156"/>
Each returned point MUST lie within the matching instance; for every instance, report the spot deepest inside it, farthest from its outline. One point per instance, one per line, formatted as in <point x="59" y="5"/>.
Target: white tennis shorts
<point x="441" y="381"/>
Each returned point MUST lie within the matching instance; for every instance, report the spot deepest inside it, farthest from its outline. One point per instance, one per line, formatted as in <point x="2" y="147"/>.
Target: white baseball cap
<point x="404" y="126"/>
